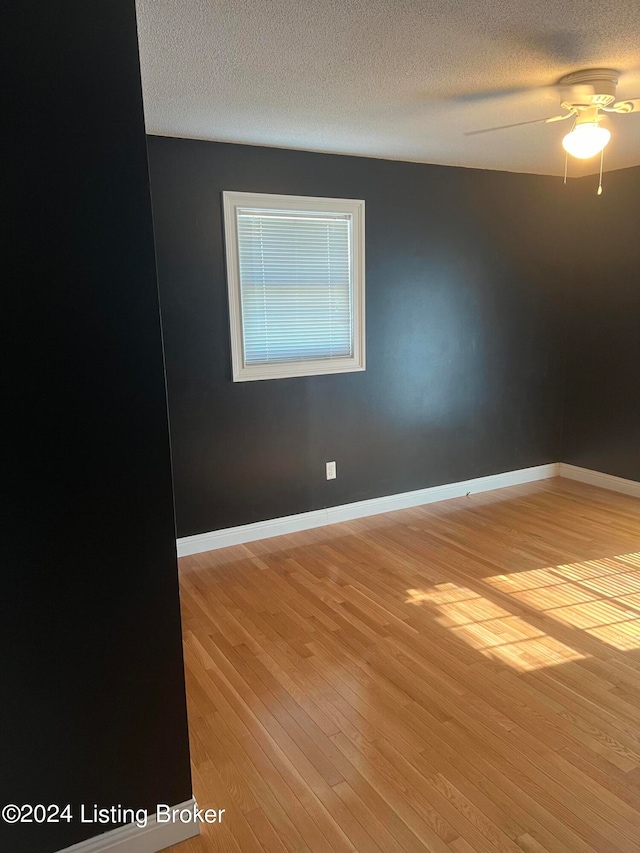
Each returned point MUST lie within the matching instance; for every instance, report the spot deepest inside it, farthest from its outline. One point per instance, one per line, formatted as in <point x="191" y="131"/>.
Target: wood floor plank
<point x="461" y="677"/>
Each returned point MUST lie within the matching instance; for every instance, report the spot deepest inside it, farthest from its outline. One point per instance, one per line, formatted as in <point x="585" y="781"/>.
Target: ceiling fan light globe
<point x="586" y="140"/>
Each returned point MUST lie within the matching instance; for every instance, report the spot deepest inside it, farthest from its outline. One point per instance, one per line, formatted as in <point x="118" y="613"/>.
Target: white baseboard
<point x="134" y="839"/>
<point x="318" y="518"/>
<point x="597" y="478"/>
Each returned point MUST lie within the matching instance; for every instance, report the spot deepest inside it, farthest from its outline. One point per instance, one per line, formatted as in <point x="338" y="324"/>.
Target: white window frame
<point x="304" y="367"/>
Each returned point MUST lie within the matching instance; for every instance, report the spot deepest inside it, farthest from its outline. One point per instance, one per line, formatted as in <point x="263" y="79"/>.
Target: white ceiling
<point x="399" y="79"/>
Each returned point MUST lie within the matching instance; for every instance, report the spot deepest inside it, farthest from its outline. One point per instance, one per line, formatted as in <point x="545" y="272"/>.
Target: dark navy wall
<point x="602" y="410"/>
<point x="465" y="313"/>
<point x="93" y="705"/>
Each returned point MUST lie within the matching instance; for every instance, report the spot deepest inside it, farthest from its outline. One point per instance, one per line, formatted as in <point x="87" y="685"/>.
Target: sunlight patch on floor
<point x="600" y="598"/>
<point x="490" y="629"/>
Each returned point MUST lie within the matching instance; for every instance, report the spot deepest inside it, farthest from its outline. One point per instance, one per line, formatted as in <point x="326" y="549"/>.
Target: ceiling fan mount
<point x="590" y="88"/>
<point x="583" y="95"/>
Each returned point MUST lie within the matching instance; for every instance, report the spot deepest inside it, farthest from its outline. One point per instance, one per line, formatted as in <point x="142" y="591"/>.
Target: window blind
<point x="296" y="285"/>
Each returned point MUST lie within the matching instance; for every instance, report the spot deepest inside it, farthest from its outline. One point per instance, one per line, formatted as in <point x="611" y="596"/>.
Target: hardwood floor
<point x="462" y="677"/>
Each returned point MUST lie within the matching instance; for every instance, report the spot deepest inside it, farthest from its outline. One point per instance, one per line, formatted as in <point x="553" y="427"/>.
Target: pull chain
<point x="566" y="161"/>
<point x="601" y="162"/>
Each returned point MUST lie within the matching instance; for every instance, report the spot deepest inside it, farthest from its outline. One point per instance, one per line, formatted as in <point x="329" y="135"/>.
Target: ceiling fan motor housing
<point x="588" y="89"/>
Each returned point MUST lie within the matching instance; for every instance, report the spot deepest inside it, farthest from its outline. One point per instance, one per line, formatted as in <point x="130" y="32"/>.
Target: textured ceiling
<point x="400" y="79"/>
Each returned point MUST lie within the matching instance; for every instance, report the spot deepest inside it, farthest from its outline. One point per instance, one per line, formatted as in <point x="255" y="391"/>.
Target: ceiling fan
<point x="586" y="95"/>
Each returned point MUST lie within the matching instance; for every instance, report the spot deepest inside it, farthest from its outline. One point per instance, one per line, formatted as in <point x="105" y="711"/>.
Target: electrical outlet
<point x="331" y="470"/>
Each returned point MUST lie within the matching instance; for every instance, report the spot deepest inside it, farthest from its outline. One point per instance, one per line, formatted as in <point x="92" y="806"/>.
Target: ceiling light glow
<point x="586" y="140"/>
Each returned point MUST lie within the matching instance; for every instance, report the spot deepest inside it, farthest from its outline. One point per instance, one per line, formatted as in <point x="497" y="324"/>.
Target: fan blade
<point x="559" y="118"/>
<point x="519" y="124"/>
<point x="629" y="105"/>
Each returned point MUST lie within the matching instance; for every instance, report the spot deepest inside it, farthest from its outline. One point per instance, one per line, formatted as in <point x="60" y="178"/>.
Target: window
<point x="295" y="273"/>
